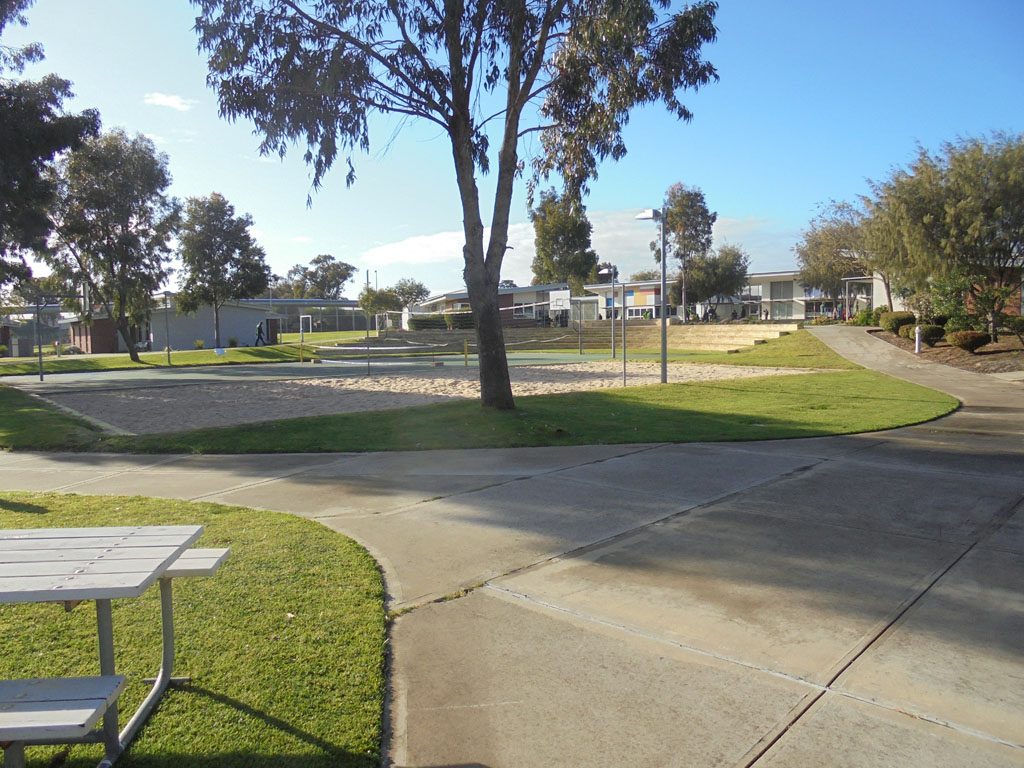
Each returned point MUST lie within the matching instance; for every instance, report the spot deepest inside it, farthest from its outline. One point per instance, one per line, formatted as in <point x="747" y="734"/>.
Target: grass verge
<point x="743" y="409"/>
<point x="285" y="645"/>
<point x="797" y="350"/>
<point x="326" y="337"/>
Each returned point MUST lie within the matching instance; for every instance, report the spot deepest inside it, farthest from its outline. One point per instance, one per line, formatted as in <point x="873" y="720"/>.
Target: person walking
<point x="259" y="334"/>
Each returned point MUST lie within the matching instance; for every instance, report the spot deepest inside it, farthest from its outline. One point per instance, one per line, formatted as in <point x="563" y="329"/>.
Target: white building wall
<point x="235" y="321"/>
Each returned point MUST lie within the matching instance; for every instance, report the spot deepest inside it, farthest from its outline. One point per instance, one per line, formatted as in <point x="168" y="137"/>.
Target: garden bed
<point x="1003" y="357"/>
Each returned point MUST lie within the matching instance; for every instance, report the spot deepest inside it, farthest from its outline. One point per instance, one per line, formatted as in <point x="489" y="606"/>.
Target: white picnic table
<point x="71" y="565"/>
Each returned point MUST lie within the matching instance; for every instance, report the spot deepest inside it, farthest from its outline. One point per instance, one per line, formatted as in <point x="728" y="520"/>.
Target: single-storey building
<point x="641" y="299"/>
<point x="167" y="326"/>
<point x="324" y="314"/>
<point x="528" y="305"/>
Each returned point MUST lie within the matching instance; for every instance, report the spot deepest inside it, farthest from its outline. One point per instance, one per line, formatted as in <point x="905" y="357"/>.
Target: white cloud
<point x="618" y="237"/>
<point x="302" y="239"/>
<point x="169" y="100"/>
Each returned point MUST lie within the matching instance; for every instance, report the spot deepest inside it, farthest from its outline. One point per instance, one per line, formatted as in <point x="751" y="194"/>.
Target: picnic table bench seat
<point x="197" y="562"/>
<point x="39" y="709"/>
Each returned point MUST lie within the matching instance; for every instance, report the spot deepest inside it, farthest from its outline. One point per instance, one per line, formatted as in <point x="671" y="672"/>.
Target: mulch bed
<point x="1002" y="357"/>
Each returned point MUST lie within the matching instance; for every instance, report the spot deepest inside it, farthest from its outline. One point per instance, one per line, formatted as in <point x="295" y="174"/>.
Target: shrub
<point x="3" y="350"/>
<point x="932" y="334"/>
<point x="969" y="340"/>
<point x="963" y="322"/>
<point x="232" y="341"/>
<point x="877" y="313"/>
<point x="863" y="317"/>
<point x="199" y="344"/>
<point x="427" y="323"/>
<point x="940" y="320"/>
<point x="907" y="331"/>
<point x="891" y="321"/>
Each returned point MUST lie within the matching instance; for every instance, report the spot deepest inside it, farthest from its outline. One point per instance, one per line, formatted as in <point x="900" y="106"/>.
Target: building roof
<point x="464" y="294"/>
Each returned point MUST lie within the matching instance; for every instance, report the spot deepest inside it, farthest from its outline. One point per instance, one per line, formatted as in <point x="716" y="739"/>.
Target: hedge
<point x="932" y="334"/>
<point x="891" y="321"/>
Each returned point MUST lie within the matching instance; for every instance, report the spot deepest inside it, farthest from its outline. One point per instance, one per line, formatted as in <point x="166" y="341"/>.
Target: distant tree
<point x="831" y="249"/>
<point x="410" y="291"/>
<point x="220" y="260"/>
<point x="607" y="276"/>
<point x="562" y="242"/>
<point x="646" y="274"/>
<point x="324" y="278"/>
<point x="375" y="301"/>
<point x="688" y="225"/>
<point x="315" y="72"/>
<point x="113" y="223"/>
<point x="33" y="131"/>
<point x="507" y="284"/>
<point x="717" y="274"/>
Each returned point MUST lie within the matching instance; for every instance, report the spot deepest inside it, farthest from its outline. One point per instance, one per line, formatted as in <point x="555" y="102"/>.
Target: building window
<point x="522" y="310"/>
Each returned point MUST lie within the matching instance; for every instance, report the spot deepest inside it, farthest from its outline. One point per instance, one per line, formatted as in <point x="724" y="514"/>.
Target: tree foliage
<point x="409" y="291"/>
<point x="718" y="274"/>
<point x="562" y="242"/>
<point x="219" y="258"/>
<point x="958" y="215"/>
<point x="688" y="225"/>
<point x="604" y="272"/>
<point x="313" y="72"/>
<point x="33" y="131"/>
<point x="646" y="274"/>
<point x="113" y="223"/>
<point x="830" y="249"/>
<point x="375" y="301"/>
<point x="324" y="278"/>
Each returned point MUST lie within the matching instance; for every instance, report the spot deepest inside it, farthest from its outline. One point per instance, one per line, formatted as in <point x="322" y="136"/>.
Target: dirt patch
<point x="170" y="409"/>
<point x="1003" y="357"/>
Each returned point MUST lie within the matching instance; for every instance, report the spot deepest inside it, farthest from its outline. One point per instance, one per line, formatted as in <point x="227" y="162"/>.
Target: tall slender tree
<point x="480" y="72"/>
<point x="688" y="229"/>
<point x="220" y="260"/>
<point x="113" y="222"/>
<point x="830" y="250"/>
<point x="562" y="242"/>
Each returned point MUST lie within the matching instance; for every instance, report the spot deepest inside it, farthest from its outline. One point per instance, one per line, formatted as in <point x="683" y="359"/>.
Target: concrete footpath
<point x="854" y="601"/>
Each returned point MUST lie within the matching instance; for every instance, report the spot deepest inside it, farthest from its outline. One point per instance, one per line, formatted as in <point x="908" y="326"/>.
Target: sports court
<point x="172" y="399"/>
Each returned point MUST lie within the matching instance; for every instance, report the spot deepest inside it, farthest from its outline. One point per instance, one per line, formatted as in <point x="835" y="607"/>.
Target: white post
<point x="917" y="339"/>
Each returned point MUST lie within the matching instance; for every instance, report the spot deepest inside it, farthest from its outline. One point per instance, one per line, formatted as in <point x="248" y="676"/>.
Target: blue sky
<point x="814" y="99"/>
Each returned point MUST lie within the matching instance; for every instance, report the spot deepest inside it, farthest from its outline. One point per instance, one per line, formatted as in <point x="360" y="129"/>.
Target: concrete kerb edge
<point x="103" y="426"/>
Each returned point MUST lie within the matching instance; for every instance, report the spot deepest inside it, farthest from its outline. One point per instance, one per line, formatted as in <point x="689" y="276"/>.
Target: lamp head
<point x="649" y="214"/>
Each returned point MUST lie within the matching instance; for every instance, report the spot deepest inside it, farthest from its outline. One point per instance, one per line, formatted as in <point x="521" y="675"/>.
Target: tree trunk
<point x="125" y="331"/>
<point x="888" y="291"/>
<point x="481" y="276"/>
<point x="216" y="325"/>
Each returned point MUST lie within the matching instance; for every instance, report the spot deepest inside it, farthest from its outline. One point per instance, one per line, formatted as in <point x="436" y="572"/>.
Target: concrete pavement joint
<point x="115" y="473"/>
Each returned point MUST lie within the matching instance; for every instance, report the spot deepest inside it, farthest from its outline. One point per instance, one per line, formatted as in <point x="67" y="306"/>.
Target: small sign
<point x="220" y="352"/>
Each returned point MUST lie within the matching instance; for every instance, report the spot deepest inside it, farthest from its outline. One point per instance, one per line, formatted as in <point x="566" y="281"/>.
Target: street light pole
<point x="167" y="326"/>
<point x="654" y="214"/>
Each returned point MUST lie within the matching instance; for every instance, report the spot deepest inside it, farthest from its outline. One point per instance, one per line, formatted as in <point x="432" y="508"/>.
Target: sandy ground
<point x="170" y="409"/>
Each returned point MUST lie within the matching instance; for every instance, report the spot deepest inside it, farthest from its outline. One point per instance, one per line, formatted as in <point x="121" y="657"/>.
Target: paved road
<point x="854" y="601"/>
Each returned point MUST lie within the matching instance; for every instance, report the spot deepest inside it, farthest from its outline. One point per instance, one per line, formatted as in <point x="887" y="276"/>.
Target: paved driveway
<point x="854" y="601"/>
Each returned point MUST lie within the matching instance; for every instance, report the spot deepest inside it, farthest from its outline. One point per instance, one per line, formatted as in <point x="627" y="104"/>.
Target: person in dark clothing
<point x="259" y="334"/>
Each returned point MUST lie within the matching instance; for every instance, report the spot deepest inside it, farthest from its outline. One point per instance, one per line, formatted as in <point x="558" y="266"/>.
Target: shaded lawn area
<point x="285" y="644"/>
<point x="28" y="423"/>
<point x="281" y="353"/>
<point x="743" y="409"/>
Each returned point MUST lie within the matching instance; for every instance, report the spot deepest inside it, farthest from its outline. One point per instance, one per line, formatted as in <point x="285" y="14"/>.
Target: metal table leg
<point x="105" y="631"/>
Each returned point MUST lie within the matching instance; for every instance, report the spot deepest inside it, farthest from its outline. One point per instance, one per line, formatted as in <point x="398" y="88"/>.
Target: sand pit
<point x="170" y="409"/>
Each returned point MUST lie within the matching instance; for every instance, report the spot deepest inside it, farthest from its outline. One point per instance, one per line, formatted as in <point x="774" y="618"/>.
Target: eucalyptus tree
<point x="34" y="130"/>
<point x="688" y="227"/>
<point x="410" y="291"/>
<point x="113" y="222"/>
<point x="562" y="242"/>
<point x="717" y="274"/>
<point x="830" y="249"/>
<point x="220" y="260"/>
<point x="315" y="71"/>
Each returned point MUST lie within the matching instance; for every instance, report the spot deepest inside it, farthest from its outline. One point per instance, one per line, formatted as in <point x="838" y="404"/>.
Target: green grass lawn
<point x="797" y="350"/>
<point x="744" y="409"/>
<point x="28" y="423"/>
<point x="327" y="337"/>
<point x="285" y="645"/>
<point x="280" y="353"/>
